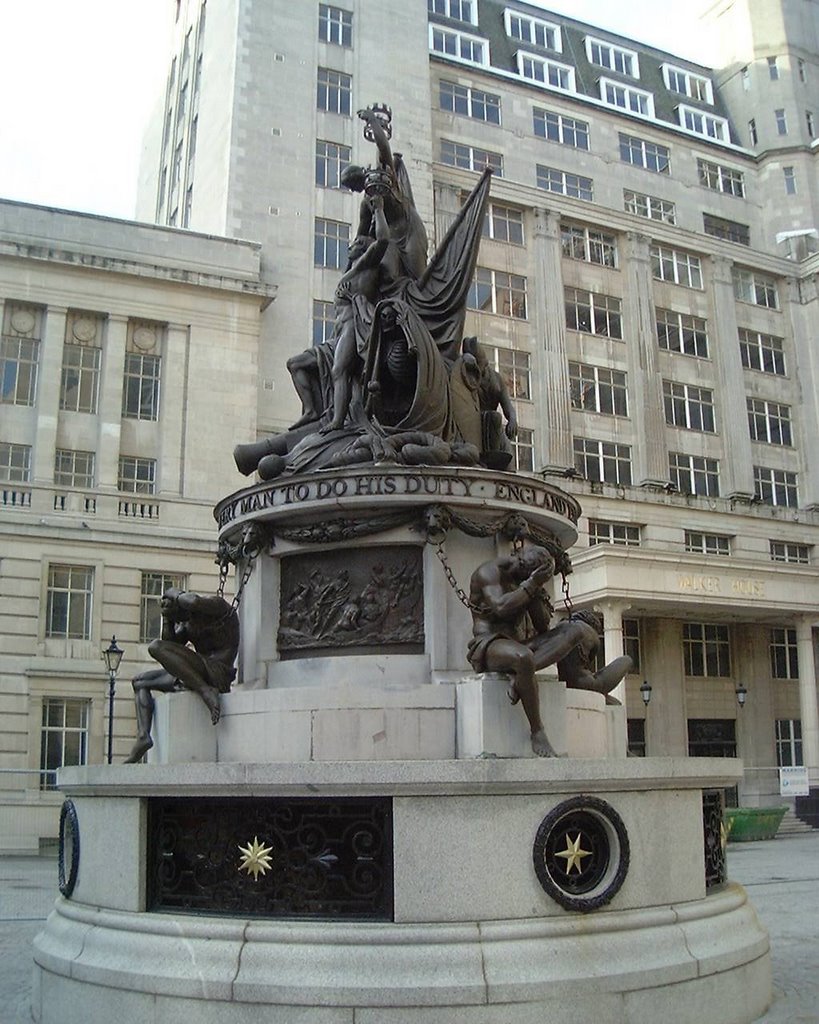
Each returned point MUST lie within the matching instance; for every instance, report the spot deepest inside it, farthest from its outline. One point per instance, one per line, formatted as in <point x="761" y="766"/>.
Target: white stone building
<point x="648" y="284"/>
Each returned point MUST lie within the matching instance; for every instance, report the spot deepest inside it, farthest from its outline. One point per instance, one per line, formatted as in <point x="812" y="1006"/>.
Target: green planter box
<point x="745" y="824"/>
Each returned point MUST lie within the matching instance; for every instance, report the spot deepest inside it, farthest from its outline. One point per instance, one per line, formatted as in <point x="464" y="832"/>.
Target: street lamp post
<point x="112" y="655"/>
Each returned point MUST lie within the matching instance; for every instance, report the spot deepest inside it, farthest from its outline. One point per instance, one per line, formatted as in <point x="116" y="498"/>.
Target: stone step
<point x="791" y="825"/>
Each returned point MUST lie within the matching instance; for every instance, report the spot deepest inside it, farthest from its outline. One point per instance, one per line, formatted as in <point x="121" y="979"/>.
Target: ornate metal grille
<point x="714" y="836"/>
<point x="322" y="858"/>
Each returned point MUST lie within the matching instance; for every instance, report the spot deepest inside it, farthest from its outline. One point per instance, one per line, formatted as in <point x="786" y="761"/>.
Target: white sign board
<point x="793" y="781"/>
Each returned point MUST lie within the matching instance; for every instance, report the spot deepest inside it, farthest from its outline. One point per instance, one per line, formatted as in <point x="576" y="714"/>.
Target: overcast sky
<point x="78" y="79"/>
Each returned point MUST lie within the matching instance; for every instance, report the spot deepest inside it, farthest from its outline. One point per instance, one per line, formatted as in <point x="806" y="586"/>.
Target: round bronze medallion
<point x="68" y="851"/>
<point x="581" y="853"/>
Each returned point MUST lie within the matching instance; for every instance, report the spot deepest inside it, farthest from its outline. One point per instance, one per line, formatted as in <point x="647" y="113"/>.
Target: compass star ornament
<point x="255" y="859"/>
<point x="574" y="854"/>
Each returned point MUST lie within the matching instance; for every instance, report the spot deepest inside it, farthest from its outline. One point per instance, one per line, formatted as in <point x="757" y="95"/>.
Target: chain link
<point x="567" y="601"/>
<point x="460" y="593"/>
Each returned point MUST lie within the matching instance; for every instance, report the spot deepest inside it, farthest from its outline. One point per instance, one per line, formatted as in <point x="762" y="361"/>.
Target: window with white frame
<point x="80" y="377"/>
<point x="623" y="534"/>
<point x="458" y="10"/>
<point x="469" y="102"/>
<point x="331" y="239"/>
<point x="809" y="124"/>
<point x="651" y="156"/>
<point x="631" y="642"/>
<point x="763" y="352"/>
<point x="140" y="392"/>
<point x="513" y="365"/>
<point x="15" y="462"/>
<point x="755" y="288"/>
<point x="688" y="406"/>
<point x="592" y="313"/>
<point x="789" y="742"/>
<point x="682" y="332"/>
<point x="331" y="159"/>
<point x="589" y="245"/>
<point x="783" y="652"/>
<point x="69" y="595"/>
<point x="503" y="224"/>
<point x="335" y="25"/>
<point x="706" y="649"/>
<point x="464" y="47"/>
<point x="598" y="389"/>
<point x="720" y="178"/>
<point x="615" y="58"/>
<point x="769" y="422"/>
<point x="752" y="132"/>
<point x="802" y="69"/>
<point x="773" y="69"/>
<point x="626" y="97"/>
<point x="567" y="131"/>
<point x="730" y="230"/>
<point x="686" y="83"/>
<point x="136" y="475"/>
<point x="694" y="474"/>
<point x="496" y="291"/>
<point x="154" y="585"/>
<point x="73" y="468"/>
<point x="532" y="30"/>
<point x="709" y="125"/>
<point x="564" y="183"/>
<point x="20" y="354"/>
<point x="789" y="175"/>
<point x="334" y="92"/>
<point x="470" y="158"/>
<point x="523" y="450"/>
<point x="63" y="736"/>
<point x="324" y="319"/>
<point x="707" y="543"/>
<point x="781" y="121"/>
<point x="776" y="487"/>
<point x="650" y="207"/>
<point x="676" y="266"/>
<point x="602" y="460"/>
<point x="785" y="551"/>
<point x="547" y="72"/>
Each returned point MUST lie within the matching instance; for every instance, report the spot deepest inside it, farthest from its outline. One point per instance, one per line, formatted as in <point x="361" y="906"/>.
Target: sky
<point x="79" y="79"/>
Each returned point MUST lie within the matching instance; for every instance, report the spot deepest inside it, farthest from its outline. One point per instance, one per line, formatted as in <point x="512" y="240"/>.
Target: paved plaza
<point x="781" y="876"/>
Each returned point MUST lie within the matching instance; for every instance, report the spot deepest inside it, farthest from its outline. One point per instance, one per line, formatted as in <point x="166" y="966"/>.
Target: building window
<point x="686" y="83"/>
<point x="730" y="230"/>
<point x="532" y="31"/>
<point x="703" y="124"/>
<point x="458" y="10"/>
<point x="752" y="132"/>
<point x="503" y="224"/>
<point x="775" y="487"/>
<point x="773" y="69"/>
<point x="706" y="649"/>
<point x="602" y="460"/>
<point x="800" y="64"/>
<point x="68" y="601"/>
<point x="784" y="551"/>
<point x="495" y="291"/>
<point x="513" y="366"/>
<point x="470" y="158"/>
<point x="781" y="121"/>
<point x="649" y="206"/>
<point x="636" y="737"/>
<point x="676" y="266"/>
<point x="592" y="313"/>
<point x="712" y="737"/>
<point x="73" y="469"/>
<point x="789" y="742"/>
<point x="615" y="58"/>
<point x="140" y="394"/>
<point x="64" y="736"/>
<point x="568" y="131"/>
<point x="688" y="406"/>
<point x="79" y="384"/>
<point x="758" y="289"/>
<point x="547" y="72"/>
<point x="589" y="245"/>
<point x="762" y="352"/>
<point x="469" y="102"/>
<point x="694" y="474"/>
<point x="19" y="354"/>
<point x="746" y="78"/>
<point x="790" y="180"/>
<point x="331" y="240"/>
<point x="707" y="543"/>
<point x="631" y="642"/>
<point x="622" y="534"/>
<point x="649" y="155"/>
<point x="15" y="462"/>
<point x="681" y="332"/>
<point x="784" y="657"/>
<point x="719" y="178"/>
<point x="335" y="25"/>
<point x="598" y="389"/>
<point x="769" y="422"/>
<point x="809" y="123"/>
<point x="136" y="475"/>
<point x="154" y="585"/>
<point x="457" y="44"/>
<point x="334" y="92"/>
<point x="523" y="450"/>
<point x="324" y="319"/>
<point x="331" y="159"/>
<point x="564" y="183"/>
<point x="626" y="97"/>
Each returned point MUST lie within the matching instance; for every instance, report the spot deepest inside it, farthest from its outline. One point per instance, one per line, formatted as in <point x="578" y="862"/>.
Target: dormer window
<point x="533" y="31"/>
<point x="615" y="58"/>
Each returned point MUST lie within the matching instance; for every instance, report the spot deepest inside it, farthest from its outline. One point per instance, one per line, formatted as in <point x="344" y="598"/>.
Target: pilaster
<point x="807" y="695"/>
<point x="801" y="311"/>
<point x="173" y="410"/>
<point x="48" y="393"/>
<point x="110" y="406"/>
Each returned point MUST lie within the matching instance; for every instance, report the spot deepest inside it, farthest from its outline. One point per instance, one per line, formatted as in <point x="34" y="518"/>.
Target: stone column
<point x="550" y="379"/>
<point x="736" y="466"/>
<point x="174" y="410"/>
<point x="801" y="307"/>
<point x="650" y="456"/>
<point x="807" y="696"/>
<point x="48" y="393"/>
<point x="110" y="409"/>
<point x="613" y="644"/>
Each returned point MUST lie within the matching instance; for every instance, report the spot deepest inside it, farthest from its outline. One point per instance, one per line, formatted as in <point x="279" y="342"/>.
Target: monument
<point x="365" y="826"/>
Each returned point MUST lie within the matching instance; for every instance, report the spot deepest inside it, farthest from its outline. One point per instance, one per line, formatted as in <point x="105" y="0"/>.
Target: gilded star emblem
<point x="573" y="854"/>
<point x="255" y="859"/>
